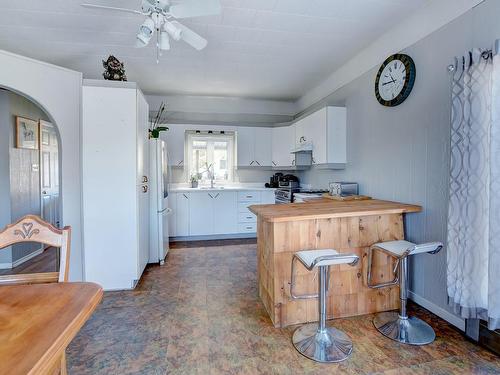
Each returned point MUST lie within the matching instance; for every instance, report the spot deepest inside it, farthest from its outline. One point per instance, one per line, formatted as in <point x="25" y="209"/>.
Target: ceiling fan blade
<point x="190" y="37"/>
<point x="195" y="8"/>
<point x="112" y="8"/>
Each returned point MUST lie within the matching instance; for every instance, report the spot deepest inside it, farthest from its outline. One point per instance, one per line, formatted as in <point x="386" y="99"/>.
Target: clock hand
<point x="386" y="83"/>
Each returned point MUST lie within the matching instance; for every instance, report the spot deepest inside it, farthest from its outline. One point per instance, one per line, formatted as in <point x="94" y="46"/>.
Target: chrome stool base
<point x="327" y="346"/>
<point x="410" y="330"/>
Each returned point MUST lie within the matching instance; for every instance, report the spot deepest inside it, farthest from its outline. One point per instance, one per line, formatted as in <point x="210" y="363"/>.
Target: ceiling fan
<point x="161" y="15"/>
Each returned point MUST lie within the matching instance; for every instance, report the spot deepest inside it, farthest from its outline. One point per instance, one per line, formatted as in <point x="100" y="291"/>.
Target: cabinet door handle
<point x="144" y="179"/>
<point x="249" y="217"/>
<point x="313" y="161"/>
<point x="249" y="227"/>
<point x="210" y="195"/>
<point x="185" y="196"/>
<point x="252" y="162"/>
<point x="293" y="162"/>
<point x="257" y="163"/>
<point x="217" y="195"/>
<point x="302" y="139"/>
<point x="274" y="163"/>
<point x="179" y="163"/>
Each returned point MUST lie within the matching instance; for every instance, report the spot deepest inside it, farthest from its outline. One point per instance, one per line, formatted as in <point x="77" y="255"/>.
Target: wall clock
<point x="395" y="80"/>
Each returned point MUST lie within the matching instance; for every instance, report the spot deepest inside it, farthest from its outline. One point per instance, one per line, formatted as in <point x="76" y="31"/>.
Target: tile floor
<point x="200" y="314"/>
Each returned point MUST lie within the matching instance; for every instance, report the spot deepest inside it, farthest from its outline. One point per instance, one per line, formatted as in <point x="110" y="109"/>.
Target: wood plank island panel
<point x="348" y="292"/>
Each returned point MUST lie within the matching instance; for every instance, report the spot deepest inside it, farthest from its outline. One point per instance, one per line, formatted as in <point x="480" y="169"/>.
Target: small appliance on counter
<point x="274" y="181"/>
<point x="289" y="181"/>
<point x="343" y="188"/>
<point x="304" y="195"/>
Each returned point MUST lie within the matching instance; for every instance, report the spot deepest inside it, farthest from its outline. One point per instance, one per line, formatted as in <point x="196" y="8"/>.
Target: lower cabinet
<point x="182" y="214"/>
<point x="205" y="213"/>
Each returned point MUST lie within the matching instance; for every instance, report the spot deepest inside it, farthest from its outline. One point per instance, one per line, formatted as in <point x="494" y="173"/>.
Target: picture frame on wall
<point x="27" y="133"/>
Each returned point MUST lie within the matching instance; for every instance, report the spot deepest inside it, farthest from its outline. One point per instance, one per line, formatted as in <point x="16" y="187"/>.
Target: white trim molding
<point x="423" y="22"/>
<point x="439" y="311"/>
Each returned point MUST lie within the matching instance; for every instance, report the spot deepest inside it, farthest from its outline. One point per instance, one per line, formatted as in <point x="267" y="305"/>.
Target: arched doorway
<point x="29" y="177"/>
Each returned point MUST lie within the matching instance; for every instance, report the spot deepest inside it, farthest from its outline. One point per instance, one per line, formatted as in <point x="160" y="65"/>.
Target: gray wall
<point x="5" y="139"/>
<point x="16" y="169"/>
<point x="402" y="153"/>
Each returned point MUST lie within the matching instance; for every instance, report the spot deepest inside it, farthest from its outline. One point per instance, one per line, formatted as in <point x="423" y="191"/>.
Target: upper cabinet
<point x="282" y="144"/>
<point x="175" y="144"/>
<point x="325" y="130"/>
<point x="254" y="146"/>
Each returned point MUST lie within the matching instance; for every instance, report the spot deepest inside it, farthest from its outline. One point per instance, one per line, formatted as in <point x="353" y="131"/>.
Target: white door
<point x="182" y="215"/>
<point x="49" y="173"/>
<point x="225" y="212"/>
<point x="201" y="208"/>
<point x="246" y="146"/>
<point x="263" y="146"/>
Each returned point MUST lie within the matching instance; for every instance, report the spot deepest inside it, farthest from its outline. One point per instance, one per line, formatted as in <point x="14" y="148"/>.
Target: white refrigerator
<point x="159" y="201"/>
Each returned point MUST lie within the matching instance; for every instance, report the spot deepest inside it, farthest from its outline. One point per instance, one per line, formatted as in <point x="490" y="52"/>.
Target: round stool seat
<point x="324" y="257"/>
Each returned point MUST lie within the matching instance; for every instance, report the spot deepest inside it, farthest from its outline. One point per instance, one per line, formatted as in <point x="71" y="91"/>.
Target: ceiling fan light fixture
<point x="164" y="43"/>
<point x="147" y="28"/>
<point x="173" y="31"/>
<point x="142" y="40"/>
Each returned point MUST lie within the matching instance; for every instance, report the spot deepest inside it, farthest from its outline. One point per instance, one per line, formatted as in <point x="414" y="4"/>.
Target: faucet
<point x="211" y="174"/>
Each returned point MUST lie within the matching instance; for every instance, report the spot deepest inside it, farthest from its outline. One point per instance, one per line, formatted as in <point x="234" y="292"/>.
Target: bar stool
<point x="316" y="341"/>
<point x="399" y="326"/>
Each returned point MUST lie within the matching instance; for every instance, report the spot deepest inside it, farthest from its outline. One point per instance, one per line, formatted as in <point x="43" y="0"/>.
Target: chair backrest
<point x="31" y="228"/>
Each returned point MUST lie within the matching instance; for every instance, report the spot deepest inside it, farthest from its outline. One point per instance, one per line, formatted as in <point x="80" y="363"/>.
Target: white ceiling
<point x="268" y="49"/>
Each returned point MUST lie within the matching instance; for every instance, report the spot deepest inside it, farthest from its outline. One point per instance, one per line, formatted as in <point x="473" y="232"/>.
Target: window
<point x="210" y="152"/>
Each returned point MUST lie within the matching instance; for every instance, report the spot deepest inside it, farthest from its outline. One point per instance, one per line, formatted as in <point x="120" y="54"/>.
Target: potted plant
<point x="154" y="131"/>
<point x="194" y="181"/>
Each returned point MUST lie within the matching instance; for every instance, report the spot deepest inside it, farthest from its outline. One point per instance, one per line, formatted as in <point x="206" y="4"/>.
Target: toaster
<point x="343" y="188"/>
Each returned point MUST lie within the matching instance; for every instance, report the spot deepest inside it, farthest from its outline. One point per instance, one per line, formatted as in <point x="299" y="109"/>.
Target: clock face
<point x="395" y="80"/>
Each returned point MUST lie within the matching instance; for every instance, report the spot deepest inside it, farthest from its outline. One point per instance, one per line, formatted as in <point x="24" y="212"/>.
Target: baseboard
<point x="213" y="237"/>
<point x="27" y="257"/>
<point x="439" y="311"/>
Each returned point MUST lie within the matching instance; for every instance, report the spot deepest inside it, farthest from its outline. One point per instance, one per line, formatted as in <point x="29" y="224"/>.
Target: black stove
<point x="286" y="195"/>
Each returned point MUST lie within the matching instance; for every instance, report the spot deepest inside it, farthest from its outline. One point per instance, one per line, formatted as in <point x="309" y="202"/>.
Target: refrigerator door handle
<point x="165" y="211"/>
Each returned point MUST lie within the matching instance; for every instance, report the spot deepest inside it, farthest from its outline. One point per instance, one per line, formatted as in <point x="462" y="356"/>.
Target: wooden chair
<point x="32" y="228"/>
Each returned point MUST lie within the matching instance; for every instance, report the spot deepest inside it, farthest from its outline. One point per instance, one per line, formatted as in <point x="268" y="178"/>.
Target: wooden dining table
<point x="37" y="322"/>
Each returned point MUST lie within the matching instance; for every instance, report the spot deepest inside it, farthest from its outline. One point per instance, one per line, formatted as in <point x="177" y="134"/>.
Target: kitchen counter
<point x="348" y="227"/>
<point x="219" y="188"/>
<point x="329" y="209"/>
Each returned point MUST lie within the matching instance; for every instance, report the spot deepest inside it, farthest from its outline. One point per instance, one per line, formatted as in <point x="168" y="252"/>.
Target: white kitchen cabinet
<point x="283" y="140"/>
<point x="254" y="146"/>
<point x="115" y="168"/>
<point x="325" y="129"/>
<point x="175" y="139"/>
<point x="201" y="211"/>
<point x="267" y="197"/>
<point x="182" y="219"/>
<point x="215" y="212"/>
<point x="246" y="146"/>
<point x="225" y="214"/>
<point x="172" y="217"/>
<point x="263" y="147"/>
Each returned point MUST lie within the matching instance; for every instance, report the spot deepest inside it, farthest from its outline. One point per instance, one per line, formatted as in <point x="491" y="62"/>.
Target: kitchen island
<point x="348" y="227"/>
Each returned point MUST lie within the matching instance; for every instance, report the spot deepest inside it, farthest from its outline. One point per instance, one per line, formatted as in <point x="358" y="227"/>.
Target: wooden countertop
<point x="39" y="321"/>
<point x="327" y="208"/>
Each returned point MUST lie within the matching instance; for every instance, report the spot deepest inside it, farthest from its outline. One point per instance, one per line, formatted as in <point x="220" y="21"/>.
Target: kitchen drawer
<point x="247" y="228"/>
<point x="243" y="207"/>
<point x="249" y="196"/>
<point x="247" y="217"/>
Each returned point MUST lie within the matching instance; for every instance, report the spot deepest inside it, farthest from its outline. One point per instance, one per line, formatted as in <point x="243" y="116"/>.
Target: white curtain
<point x="473" y="251"/>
